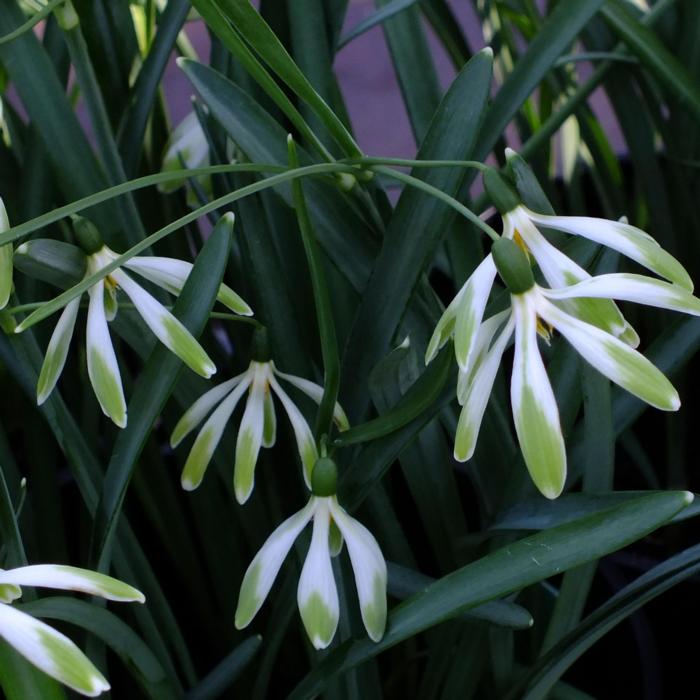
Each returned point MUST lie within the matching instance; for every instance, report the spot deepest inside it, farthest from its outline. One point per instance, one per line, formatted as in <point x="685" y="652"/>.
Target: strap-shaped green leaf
<point x="506" y="570"/>
<point x="156" y="384"/>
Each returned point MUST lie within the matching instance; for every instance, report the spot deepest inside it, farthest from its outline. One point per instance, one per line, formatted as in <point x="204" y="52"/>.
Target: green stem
<point x="62" y="299"/>
<point x="31" y="22"/>
<point x="438" y="194"/>
<point x="409" y="163"/>
<point x="324" y="311"/>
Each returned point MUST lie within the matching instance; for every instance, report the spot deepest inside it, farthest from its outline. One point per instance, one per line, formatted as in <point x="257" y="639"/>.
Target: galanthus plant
<point x="258" y="426"/>
<point x="529" y="289"/>
<point x="46" y="648"/>
<point x="317" y="594"/>
<point x="103" y="369"/>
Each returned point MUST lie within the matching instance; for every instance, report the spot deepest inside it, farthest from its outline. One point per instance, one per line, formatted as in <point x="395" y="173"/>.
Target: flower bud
<point x="87" y="235"/>
<point x="260" y="347"/>
<point x="500" y="191"/>
<point x="512" y="265"/>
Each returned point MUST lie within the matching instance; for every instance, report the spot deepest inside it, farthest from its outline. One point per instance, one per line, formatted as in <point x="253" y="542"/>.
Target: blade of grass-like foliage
<point x="37" y="17"/>
<point x="540" y="678"/>
<point x="246" y="19"/>
<point x="445" y="25"/>
<point x="117" y="635"/>
<point x="324" y="311"/>
<point x="415" y="230"/>
<point x="651" y="51"/>
<point x="415" y="70"/>
<point x="220" y="679"/>
<point x="9" y="530"/>
<point x="509" y="569"/>
<point x="42" y="94"/>
<point x="560" y="29"/>
<point x="143" y="95"/>
<point x="155" y="386"/>
<point x="380" y="15"/>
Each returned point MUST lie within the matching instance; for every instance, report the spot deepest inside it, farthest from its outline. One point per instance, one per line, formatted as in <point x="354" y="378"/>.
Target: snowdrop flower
<point x="43" y="646"/>
<point x="465" y="313"/>
<point x="532" y="309"/>
<point x="5" y="260"/>
<point x="317" y="595"/>
<point x="258" y="425"/>
<point x="103" y="370"/>
<point x="186" y="148"/>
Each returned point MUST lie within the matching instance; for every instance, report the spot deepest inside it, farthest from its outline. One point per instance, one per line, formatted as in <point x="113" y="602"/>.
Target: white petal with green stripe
<point x="71" y="578"/>
<point x="635" y="288"/>
<point x="612" y="358"/>
<point x="209" y="436"/>
<point x="171" y="274"/>
<point x="315" y="392"/>
<point x="166" y="327"/>
<point x="9" y="592"/>
<point x="103" y="369"/>
<point x="263" y="570"/>
<point x="270" y="420"/>
<point x="187" y="145"/>
<point x="476" y="397"/>
<point x="626" y="239"/>
<point x="560" y="271"/>
<point x="50" y="651"/>
<point x="369" y="568"/>
<point x="304" y="437"/>
<point x="445" y="326"/>
<point x="471" y="310"/>
<point x="5" y="260"/>
<point x="250" y="433"/>
<point x="317" y="594"/>
<point x="200" y="409"/>
<point x="57" y="351"/>
<point x="535" y="410"/>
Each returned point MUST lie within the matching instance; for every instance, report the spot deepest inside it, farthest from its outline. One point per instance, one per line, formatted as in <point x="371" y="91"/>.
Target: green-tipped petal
<point x="269" y="421"/>
<point x="57" y="351"/>
<point x="476" y="397"/>
<point x="315" y="392"/>
<point x="534" y="407"/>
<point x="626" y="239"/>
<point x="471" y="310"/>
<point x="250" y="434"/>
<point x="5" y="260"/>
<point x="71" y="578"/>
<point x="9" y="592"/>
<point x="306" y="444"/>
<point x="635" y="288"/>
<point x="317" y="595"/>
<point x="51" y="652"/>
<point x="369" y="568"/>
<point x="199" y="410"/>
<point x="166" y="327"/>
<point x="233" y="301"/>
<point x="188" y="145"/>
<point x="208" y="438"/>
<point x="612" y="358"/>
<point x="103" y="369"/>
<point x="445" y="326"/>
<point x="263" y="570"/>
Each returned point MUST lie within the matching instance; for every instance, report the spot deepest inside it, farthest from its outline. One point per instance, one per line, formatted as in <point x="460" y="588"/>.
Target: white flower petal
<point x="612" y="358"/>
<point x="317" y="594"/>
<point x="263" y="570"/>
<point x="57" y="351"/>
<point x="476" y="397"/>
<point x="71" y="578"/>
<point x="166" y="327"/>
<point x="315" y="392"/>
<point x="187" y="144"/>
<point x="628" y="240"/>
<point x="103" y="369"/>
<point x="635" y="288"/>
<point x="171" y="274"/>
<point x="369" y="568"/>
<point x="50" y="651"/>
<point x="199" y="410"/>
<point x="471" y="310"/>
<point x="250" y="433"/>
<point x="209" y="436"/>
<point x="304" y="437"/>
<point x="535" y="410"/>
<point x="6" y="253"/>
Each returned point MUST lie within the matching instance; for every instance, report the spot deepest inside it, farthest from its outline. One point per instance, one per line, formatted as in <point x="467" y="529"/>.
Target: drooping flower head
<point x="258" y="426"/>
<point x="103" y="370"/>
<point x="317" y="594"/>
<point x="46" y="648"/>
<point x="579" y="306"/>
